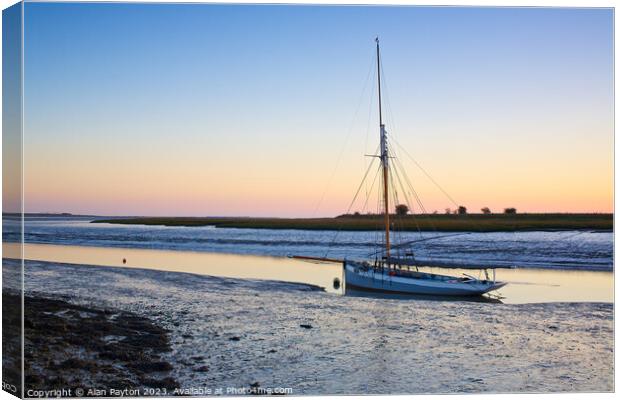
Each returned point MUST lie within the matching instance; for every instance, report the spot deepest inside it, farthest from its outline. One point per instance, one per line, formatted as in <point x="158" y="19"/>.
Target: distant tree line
<point x="461" y="210"/>
<point x="403" y="209"/>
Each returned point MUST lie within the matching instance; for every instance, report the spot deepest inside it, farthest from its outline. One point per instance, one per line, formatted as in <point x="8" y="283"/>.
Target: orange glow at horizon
<point x="151" y="183"/>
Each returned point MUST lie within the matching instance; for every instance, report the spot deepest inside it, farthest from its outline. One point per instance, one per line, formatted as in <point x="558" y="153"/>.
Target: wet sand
<point x="525" y="285"/>
<point x="238" y="333"/>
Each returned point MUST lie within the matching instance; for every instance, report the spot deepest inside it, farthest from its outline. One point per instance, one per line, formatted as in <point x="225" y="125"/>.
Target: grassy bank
<point x="443" y="222"/>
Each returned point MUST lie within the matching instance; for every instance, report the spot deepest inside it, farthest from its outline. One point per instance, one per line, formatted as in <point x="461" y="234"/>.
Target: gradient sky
<point x="154" y="109"/>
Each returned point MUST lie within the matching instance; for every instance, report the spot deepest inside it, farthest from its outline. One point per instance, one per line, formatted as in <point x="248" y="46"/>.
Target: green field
<point x="428" y="222"/>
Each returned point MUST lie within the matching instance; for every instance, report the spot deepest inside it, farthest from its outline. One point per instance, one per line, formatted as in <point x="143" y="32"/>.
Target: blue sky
<point x="172" y="98"/>
<point x="11" y="109"/>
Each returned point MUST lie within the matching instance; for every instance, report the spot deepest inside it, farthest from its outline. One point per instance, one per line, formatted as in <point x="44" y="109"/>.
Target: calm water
<point x="526" y="285"/>
<point x="576" y="250"/>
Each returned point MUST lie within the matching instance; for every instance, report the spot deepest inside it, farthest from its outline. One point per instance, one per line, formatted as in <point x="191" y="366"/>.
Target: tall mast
<point x="384" y="160"/>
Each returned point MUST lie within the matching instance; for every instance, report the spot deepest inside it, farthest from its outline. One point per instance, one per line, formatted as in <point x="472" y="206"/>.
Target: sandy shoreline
<point x="279" y="335"/>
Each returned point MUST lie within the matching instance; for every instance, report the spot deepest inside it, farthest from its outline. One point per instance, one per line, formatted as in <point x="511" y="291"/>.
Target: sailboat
<point x="391" y="274"/>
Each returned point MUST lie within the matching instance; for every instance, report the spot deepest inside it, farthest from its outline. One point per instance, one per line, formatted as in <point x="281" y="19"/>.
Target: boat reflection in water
<point x="406" y="296"/>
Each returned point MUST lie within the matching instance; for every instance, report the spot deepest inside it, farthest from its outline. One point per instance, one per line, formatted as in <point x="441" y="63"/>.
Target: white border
<point x="481" y="3"/>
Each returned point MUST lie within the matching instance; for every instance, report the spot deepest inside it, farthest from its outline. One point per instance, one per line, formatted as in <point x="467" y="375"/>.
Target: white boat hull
<point x="362" y="276"/>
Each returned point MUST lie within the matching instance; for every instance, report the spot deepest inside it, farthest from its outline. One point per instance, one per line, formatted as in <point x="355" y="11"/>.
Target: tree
<point x="462" y="210"/>
<point x="510" y="210"/>
<point x="402" y="209"/>
<point x="448" y="211"/>
<point x="485" y="210"/>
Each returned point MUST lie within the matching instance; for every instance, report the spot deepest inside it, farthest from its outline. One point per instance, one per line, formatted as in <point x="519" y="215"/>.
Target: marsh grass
<point x="427" y="222"/>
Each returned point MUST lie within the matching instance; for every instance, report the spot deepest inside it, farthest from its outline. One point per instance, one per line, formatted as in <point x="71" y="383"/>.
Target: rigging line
<point x="402" y="245"/>
<point x="384" y="81"/>
<point x="493" y="245"/>
<point x="368" y="197"/>
<point x="426" y="173"/>
<point x="400" y="219"/>
<point x="407" y="200"/>
<point x="394" y="168"/>
<point x="377" y="227"/>
<point x="572" y="234"/>
<point x="396" y="227"/>
<point x="418" y="200"/>
<point x="370" y="107"/>
<point x="382" y="207"/>
<point x="374" y="242"/>
<point x="415" y="193"/>
<point x="413" y="217"/>
<point x="393" y="137"/>
<point x="394" y="193"/>
<point x="400" y="166"/>
<point x="388" y="103"/>
<point x="369" y="190"/>
<point x="580" y="245"/>
<point x="441" y="188"/>
<point x="379" y="221"/>
<point x="392" y="123"/>
<point x="349" y="209"/>
<point x="430" y="254"/>
<point x="427" y="239"/>
<point x="371" y="187"/>
<point x="374" y="180"/>
<point x="344" y="146"/>
<point x="379" y="234"/>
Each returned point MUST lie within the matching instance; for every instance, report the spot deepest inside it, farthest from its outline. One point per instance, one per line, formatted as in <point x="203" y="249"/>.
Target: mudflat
<point x="228" y="333"/>
<point x="77" y="347"/>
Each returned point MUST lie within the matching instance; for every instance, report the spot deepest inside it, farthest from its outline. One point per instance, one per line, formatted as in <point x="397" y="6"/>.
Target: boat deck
<point x="399" y="271"/>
